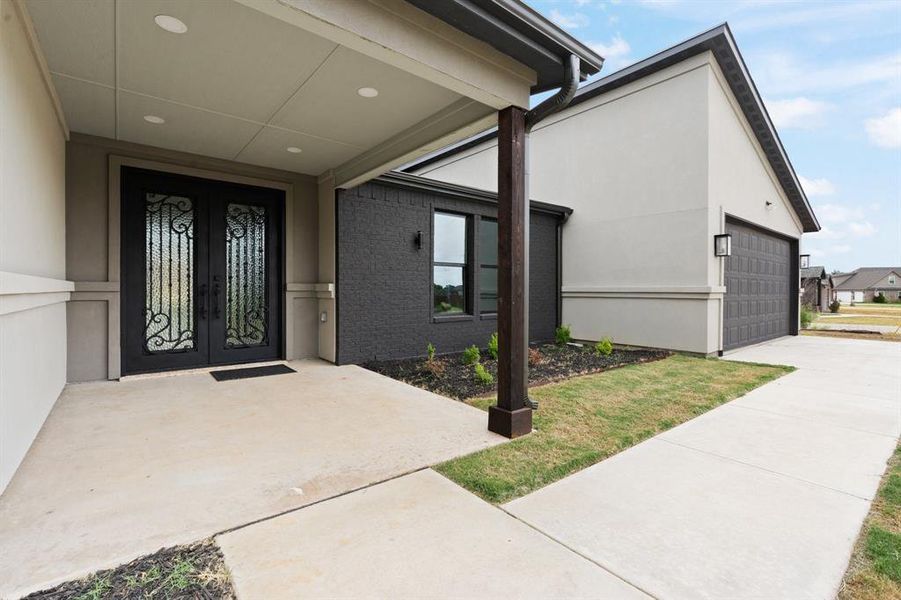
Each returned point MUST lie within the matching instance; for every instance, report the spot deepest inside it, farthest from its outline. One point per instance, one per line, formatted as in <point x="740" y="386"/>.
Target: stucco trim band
<point x="641" y="292"/>
<point x="20" y="292"/>
<point x="310" y="290"/>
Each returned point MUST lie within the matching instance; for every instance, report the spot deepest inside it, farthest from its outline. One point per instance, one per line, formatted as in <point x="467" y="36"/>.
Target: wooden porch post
<point x="511" y="417"/>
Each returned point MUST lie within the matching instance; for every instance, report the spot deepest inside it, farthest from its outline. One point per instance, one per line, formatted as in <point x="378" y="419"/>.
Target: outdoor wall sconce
<point x="805" y="261"/>
<point x="417" y="240"/>
<point x="722" y="244"/>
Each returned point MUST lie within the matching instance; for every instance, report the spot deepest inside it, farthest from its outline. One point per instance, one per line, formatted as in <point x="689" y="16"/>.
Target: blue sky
<point x="830" y="75"/>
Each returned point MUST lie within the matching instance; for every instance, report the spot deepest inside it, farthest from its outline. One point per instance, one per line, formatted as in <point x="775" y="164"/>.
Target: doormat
<point x="230" y="374"/>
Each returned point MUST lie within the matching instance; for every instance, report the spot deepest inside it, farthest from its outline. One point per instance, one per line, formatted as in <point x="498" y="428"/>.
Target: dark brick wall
<point x="385" y="284"/>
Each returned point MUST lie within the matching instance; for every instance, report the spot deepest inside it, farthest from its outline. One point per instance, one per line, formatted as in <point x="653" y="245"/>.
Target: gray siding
<point x="384" y="282"/>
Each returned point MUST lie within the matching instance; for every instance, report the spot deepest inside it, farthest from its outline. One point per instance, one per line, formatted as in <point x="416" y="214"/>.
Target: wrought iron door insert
<point x="202" y="272"/>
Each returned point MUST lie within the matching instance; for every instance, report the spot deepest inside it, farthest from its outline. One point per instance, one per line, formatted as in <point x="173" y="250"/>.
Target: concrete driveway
<point x="760" y="498"/>
<point x="121" y="469"/>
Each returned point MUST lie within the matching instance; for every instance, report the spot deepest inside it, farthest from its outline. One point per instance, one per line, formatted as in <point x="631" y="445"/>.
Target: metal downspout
<point x="549" y="106"/>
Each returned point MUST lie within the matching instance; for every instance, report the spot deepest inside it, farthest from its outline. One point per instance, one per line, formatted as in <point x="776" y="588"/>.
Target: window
<point x="891" y="280"/>
<point x="488" y="266"/>
<point x="449" y="264"/>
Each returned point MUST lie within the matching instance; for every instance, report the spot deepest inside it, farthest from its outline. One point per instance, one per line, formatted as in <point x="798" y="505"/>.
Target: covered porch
<point x="121" y="469"/>
<point x="112" y="110"/>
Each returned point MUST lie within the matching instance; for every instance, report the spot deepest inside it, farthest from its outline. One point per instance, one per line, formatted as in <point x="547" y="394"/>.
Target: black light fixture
<point x="805" y="261"/>
<point x="722" y="244"/>
<point x="417" y="240"/>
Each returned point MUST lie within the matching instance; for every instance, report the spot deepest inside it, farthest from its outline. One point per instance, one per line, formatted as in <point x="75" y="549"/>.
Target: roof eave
<point x="518" y="31"/>
<point x="453" y="190"/>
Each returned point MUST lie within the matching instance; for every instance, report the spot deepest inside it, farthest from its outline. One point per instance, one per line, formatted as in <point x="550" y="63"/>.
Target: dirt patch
<point x="854" y="335"/>
<point x="184" y="572"/>
<point x="457" y="380"/>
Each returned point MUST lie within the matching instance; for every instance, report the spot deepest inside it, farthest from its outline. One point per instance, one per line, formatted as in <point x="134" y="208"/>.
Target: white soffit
<point x="238" y="85"/>
<point x="321" y="107"/>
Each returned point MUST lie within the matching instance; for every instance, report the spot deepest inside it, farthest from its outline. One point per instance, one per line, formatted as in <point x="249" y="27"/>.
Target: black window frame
<point x="481" y="264"/>
<point x="468" y="283"/>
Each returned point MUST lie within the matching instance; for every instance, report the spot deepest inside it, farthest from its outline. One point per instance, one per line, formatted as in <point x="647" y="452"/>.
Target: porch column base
<point x="510" y="423"/>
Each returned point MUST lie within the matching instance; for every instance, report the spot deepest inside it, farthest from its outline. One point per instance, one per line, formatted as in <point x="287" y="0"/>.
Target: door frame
<point x="117" y="241"/>
<point x="794" y="288"/>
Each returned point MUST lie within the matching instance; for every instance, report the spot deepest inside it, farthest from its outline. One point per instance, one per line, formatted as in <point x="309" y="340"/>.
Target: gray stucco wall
<point x="384" y="282"/>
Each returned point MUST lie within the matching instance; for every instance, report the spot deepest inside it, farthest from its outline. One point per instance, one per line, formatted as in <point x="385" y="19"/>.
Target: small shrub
<point x="807" y="316"/>
<point x="471" y="355"/>
<point x="563" y="334"/>
<point x="492" y="345"/>
<point x="535" y="357"/>
<point x="430" y="350"/>
<point x="879" y="298"/>
<point x="482" y="374"/>
<point x="604" y="347"/>
<point x="834" y="306"/>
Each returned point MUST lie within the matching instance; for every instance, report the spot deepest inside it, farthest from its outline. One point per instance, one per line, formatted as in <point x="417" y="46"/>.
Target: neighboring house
<point x="171" y="176"/>
<point x="816" y="288"/>
<point x="865" y="283"/>
<point x="655" y="160"/>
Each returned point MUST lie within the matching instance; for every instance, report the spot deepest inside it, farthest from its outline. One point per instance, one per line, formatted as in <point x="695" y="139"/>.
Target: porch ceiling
<point x="238" y="85"/>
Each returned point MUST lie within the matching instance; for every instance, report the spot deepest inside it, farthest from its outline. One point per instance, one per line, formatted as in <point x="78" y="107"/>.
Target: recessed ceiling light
<point x="170" y="24"/>
<point x="293" y="149"/>
<point x="154" y="119"/>
<point x="368" y="92"/>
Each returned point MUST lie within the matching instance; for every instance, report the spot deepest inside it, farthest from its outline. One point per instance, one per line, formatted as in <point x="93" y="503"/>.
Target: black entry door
<point x="201" y="271"/>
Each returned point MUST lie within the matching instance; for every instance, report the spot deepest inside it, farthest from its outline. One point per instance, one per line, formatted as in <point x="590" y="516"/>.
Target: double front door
<point x="201" y="270"/>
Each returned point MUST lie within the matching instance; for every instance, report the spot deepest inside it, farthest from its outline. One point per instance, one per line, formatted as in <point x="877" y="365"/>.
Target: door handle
<point x="201" y="308"/>
<point x="216" y="312"/>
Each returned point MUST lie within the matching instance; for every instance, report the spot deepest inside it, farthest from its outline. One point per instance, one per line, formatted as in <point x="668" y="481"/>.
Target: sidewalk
<point x="762" y="497"/>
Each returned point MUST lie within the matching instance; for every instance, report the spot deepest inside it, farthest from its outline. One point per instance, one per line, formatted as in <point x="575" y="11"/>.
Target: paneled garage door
<point x="758" y="287"/>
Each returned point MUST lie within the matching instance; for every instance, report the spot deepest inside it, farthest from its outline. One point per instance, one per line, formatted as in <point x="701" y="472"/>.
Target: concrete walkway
<point x="419" y="536"/>
<point x="760" y="498"/>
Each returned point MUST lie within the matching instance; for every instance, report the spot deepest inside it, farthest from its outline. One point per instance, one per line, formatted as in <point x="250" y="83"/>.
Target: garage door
<point x="758" y="287"/>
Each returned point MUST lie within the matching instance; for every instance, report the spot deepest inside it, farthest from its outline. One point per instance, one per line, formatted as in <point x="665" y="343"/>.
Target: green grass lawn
<point x="586" y="419"/>
<point x="875" y="569"/>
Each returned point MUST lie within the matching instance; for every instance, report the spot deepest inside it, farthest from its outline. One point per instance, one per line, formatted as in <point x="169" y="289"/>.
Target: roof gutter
<point x="560" y="100"/>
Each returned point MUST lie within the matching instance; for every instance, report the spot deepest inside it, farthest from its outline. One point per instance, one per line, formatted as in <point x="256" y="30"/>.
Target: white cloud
<point x="830" y="250"/>
<point x="783" y="73"/>
<point x="775" y="15"/>
<point x="817" y="187"/>
<point x="885" y="131"/>
<point x="861" y="229"/>
<point x="615" y="53"/>
<point x="582" y="2"/>
<point x="573" y="21"/>
<point x="836" y="213"/>
<point x="841" y="222"/>
<point x="801" y="113"/>
<point x="826" y="232"/>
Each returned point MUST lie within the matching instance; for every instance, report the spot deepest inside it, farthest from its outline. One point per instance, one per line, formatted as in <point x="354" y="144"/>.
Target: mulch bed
<point x="195" y="572"/>
<point x="457" y="380"/>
